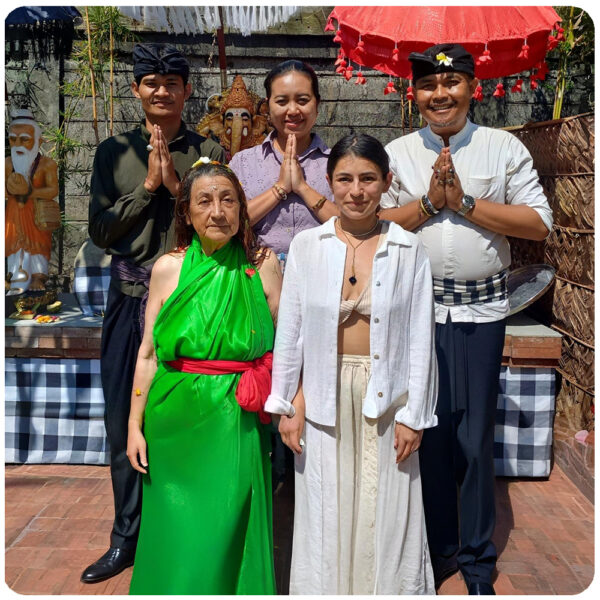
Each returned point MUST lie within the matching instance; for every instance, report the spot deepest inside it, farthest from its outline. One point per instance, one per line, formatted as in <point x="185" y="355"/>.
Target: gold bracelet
<point x="422" y="208"/>
<point x="319" y="204"/>
<point x="280" y="192"/>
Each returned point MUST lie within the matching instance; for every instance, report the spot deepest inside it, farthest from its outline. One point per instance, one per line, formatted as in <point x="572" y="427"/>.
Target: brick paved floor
<point x="58" y="519"/>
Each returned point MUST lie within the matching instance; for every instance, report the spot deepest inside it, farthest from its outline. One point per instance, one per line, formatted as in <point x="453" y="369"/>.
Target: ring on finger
<point x="441" y="181"/>
<point x="451" y="171"/>
<point x="450" y="180"/>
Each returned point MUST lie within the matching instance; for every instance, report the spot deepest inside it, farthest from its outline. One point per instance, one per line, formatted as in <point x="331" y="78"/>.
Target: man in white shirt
<point x="462" y="188"/>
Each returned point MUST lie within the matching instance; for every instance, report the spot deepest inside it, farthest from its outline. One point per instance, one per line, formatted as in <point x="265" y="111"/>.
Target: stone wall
<point x="345" y="107"/>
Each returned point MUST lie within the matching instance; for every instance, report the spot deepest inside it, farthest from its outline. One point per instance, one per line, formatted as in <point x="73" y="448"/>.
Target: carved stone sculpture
<point x="31" y="211"/>
<point x="237" y="118"/>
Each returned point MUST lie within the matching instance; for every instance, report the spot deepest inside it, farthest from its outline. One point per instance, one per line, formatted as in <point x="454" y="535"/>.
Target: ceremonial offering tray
<point x="28" y="304"/>
<point x="527" y="284"/>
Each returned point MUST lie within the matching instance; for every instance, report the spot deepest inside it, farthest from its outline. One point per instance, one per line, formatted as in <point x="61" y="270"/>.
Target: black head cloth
<point x="163" y="59"/>
<point x="441" y="58"/>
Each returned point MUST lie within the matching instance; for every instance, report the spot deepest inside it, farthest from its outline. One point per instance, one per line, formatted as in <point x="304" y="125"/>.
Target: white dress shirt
<point x="402" y="351"/>
<point x="492" y="165"/>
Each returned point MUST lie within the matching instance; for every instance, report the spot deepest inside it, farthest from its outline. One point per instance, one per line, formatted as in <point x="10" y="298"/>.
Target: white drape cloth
<point x="200" y="19"/>
<point x="359" y="526"/>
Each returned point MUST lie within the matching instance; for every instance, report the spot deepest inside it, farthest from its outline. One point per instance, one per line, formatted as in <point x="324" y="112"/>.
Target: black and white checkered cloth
<point x="524" y="422"/>
<point x="54" y="411"/>
<point x="452" y="292"/>
<point x="90" y="286"/>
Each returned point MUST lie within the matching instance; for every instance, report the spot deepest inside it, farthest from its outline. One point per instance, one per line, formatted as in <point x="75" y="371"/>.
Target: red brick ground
<point x="58" y="519"/>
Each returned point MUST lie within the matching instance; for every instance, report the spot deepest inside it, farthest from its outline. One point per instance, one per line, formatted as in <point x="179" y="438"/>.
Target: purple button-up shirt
<point x="258" y="169"/>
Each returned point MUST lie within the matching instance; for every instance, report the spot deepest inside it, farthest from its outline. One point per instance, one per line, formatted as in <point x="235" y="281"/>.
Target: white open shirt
<point x="403" y="363"/>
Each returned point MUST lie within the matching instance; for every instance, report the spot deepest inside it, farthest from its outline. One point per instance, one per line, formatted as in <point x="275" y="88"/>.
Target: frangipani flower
<point x="443" y="59"/>
<point x="203" y="160"/>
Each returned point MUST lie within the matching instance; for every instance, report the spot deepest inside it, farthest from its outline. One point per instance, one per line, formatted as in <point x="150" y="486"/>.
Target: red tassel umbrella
<point x="504" y="40"/>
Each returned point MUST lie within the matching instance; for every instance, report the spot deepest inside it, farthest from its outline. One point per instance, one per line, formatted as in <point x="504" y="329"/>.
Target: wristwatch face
<point x="468" y="202"/>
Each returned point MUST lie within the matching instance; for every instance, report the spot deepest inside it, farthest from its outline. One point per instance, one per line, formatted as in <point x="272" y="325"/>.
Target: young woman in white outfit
<point x="355" y="380"/>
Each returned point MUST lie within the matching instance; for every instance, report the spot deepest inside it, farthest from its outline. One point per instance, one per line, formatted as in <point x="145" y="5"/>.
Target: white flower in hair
<point x="443" y="59"/>
<point x="203" y="160"/>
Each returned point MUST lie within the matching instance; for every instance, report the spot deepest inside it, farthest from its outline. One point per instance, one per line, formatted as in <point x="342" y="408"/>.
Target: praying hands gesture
<point x="160" y="165"/>
<point x="291" y="179"/>
<point x="445" y="188"/>
<point x="291" y="176"/>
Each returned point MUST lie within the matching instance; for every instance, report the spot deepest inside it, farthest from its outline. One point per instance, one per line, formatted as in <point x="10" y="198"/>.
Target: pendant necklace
<point x="352" y="278"/>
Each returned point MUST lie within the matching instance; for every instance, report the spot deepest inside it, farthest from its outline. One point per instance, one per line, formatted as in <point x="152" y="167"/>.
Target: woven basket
<point x="573" y="311"/>
<point x="577" y="363"/>
<point x="563" y="154"/>
<point x="564" y="146"/>
<point x="576" y="405"/>
<point x="46" y="214"/>
<point x="572" y="254"/>
<point x="571" y="198"/>
<point x="526" y="252"/>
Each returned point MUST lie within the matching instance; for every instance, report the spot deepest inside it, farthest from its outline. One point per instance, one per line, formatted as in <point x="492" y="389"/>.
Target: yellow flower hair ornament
<point x="205" y="160"/>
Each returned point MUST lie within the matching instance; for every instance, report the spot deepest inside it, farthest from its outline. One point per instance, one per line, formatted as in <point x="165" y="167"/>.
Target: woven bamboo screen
<point x="563" y="154"/>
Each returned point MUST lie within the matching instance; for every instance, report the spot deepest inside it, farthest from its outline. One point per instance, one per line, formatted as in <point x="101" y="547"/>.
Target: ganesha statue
<point x="237" y="118"/>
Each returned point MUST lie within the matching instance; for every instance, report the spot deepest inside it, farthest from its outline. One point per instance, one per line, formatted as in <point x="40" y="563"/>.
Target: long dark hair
<point x="293" y="65"/>
<point x="184" y="232"/>
<point x="361" y="145"/>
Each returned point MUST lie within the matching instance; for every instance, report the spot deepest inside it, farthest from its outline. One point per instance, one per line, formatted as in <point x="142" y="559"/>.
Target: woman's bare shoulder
<point x="168" y="263"/>
<point x="265" y="258"/>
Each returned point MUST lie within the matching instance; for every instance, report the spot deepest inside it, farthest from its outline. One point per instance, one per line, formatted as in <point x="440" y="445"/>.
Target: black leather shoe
<point x="443" y="567"/>
<point x="481" y="588"/>
<point x="108" y="565"/>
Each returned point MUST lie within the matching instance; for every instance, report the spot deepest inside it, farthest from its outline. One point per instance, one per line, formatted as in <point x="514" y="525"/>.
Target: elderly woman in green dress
<point x="202" y="375"/>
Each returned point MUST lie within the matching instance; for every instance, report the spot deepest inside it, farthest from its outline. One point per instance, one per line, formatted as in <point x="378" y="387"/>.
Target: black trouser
<point x="457" y="456"/>
<point x="120" y="344"/>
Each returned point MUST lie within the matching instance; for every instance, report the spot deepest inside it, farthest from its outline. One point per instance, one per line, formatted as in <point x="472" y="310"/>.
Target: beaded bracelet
<point x="428" y="206"/>
<point x="423" y="209"/>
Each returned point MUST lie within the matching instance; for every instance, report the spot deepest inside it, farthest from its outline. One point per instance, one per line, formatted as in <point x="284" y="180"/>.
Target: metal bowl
<point x="527" y="284"/>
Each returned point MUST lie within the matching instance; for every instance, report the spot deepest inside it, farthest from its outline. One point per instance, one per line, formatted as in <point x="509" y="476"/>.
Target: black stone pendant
<point x="352" y="280"/>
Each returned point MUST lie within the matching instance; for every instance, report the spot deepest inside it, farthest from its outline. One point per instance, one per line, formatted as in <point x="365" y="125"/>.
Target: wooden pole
<point x="222" y="56"/>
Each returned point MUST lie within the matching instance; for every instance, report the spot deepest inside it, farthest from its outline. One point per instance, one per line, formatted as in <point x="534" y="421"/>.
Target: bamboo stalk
<point x="561" y="78"/>
<point x="92" y="78"/>
<point x="402" y="111"/>
<point x="111" y="80"/>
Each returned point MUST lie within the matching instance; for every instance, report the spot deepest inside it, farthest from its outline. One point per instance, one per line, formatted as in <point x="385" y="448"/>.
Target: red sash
<point x="254" y="384"/>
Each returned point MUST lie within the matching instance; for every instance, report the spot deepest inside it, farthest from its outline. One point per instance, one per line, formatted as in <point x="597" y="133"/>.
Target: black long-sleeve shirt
<point x="124" y="218"/>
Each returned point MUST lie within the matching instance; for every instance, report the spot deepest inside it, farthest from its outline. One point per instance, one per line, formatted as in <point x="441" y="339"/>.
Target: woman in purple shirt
<point x="284" y="177"/>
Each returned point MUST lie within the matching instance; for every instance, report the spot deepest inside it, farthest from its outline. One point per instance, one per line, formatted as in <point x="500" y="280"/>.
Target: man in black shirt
<point x="135" y="179"/>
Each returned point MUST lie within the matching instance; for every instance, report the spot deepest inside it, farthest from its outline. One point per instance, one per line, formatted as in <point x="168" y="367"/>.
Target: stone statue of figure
<point x="235" y="118"/>
<point x="31" y="212"/>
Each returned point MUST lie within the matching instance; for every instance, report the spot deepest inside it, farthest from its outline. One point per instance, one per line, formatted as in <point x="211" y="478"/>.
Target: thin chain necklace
<point x="352" y="278"/>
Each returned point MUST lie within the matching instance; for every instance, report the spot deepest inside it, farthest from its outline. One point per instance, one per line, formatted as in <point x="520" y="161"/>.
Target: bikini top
<point x="362" y="304"/>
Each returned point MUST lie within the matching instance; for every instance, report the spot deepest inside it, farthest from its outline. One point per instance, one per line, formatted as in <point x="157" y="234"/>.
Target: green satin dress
<point x="206" y="525"/>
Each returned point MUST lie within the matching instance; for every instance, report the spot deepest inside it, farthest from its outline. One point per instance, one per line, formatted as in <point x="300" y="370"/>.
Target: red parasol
<point x="504" y="40"/>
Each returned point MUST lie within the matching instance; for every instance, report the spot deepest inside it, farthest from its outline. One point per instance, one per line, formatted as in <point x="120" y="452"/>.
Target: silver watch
<point x="468" y="202"/>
